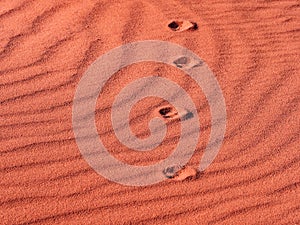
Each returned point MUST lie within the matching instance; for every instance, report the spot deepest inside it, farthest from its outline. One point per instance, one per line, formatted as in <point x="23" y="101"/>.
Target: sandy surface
<point x="252" y="47"/>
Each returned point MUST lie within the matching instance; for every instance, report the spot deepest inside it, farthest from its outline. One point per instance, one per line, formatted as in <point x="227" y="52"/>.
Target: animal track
<point x="169" y="112"/>
<point x="182" y="25"/>
<point x="187" y="63"/>
<point x="180" y="173"/>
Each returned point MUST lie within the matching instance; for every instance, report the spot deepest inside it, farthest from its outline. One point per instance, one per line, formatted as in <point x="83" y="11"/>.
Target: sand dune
<point x="252" y="48"/>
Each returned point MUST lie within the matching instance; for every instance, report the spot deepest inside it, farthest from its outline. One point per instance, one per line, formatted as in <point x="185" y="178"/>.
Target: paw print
<point x="169" y="112"/>
<point x="180" y="173"/>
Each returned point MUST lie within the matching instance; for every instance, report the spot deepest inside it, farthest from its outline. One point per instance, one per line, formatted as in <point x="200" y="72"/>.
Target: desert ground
<point x="252" y="48"/>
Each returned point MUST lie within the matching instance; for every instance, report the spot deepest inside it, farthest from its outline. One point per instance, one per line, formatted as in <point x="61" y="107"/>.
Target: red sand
<point x="252" y="48"/>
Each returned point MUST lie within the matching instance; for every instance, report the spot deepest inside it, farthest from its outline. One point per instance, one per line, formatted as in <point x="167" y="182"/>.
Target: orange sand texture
<point x="253" y="49"/>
